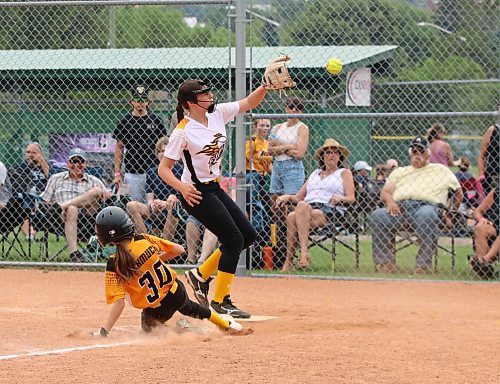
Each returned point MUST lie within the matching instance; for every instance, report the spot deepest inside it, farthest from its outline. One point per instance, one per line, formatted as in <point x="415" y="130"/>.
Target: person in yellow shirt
<point x="259" y="162"/>
<point x="139" y="271"/>
<point x="411" y="195"/>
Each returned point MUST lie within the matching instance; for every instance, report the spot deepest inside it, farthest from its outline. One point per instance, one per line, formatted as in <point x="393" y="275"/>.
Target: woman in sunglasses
<point x="199" y="139"/>
<point x="321" y="200"/>
<point x="288" y="144"/>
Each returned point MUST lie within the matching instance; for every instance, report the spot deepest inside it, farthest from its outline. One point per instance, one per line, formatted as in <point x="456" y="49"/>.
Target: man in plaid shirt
<point x="74" y="195"/>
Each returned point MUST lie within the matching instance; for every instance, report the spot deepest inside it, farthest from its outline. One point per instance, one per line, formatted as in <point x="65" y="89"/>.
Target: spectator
<point x="161" y="199"/>
<point x="74" y="197"/>
<point x="5" y="187"/>
<point x="367" y="194"/>
<point x="259" y="162"/>
<point x="380" y="172"/>
<point x="471" y="187"/>
<point x="487" y="241"/>
<point x="488" y="162"/>
<point x="319" y="201"/>
<point x="31" y="177"/>
<point x="288" y="144"/>
<point x="11" y="207"/>
<point x="411" y="195"/>
<point x="390" y="166"/>
<point x="137" y="132"/>
<point x="441" y="152"/>
<point x="196" y="233"/>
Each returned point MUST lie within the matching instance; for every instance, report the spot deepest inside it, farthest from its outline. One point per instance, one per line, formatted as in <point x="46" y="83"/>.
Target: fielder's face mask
<point x="205" y="88"/>
<point x="191" y="89"/>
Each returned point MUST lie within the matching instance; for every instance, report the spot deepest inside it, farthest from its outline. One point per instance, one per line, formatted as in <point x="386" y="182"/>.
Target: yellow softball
<point x="334" y="66"/>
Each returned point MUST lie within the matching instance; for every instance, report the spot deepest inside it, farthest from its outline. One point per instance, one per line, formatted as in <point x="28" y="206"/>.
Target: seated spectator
<point x="12" y="212"/>
<point x="488" y="161"/>
<point x="259" y="162"/>
<point x="411" y="195"/>
<point x="73" y="198"/>
<point x="320" y="200"/>
<point x="391" y="165"/>
<point x="5" y="187"/>
<point x="161" y="199"/>
<point x="196" y="233"/>
<point x="441" y="152"/>
<point x="471" y="187"/>
<point x="487" y="241"/>
<point x="380" y="172"/>
<point x="364" y="186"/>
<point x="31" y="177"/>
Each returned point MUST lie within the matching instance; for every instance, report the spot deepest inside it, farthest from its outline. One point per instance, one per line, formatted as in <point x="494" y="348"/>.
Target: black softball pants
<point x="220" y="214"/>
<point x="173" y="302"/>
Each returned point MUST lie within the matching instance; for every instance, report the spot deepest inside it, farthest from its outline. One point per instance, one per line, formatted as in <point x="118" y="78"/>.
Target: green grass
<point x="345" y="266"/>
<point x="35" y="252"/>
<point x="322" y="264"/>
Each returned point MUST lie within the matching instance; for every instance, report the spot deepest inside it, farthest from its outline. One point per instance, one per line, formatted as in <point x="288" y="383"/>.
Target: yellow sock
<point x="218" y="320"/>
<point x="210" y="265"/>
<point x="223" y="285"/>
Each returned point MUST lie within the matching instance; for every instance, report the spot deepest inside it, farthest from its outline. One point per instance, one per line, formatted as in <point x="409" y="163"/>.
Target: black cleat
<point x="228" y="308"/>
<point x="199" y="285"/>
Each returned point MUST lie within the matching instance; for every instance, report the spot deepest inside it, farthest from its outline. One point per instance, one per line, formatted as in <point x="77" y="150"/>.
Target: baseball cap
<point x="359" y="165"/>
<point x="418" y="141"/>
<point x="140" y="92"/>
<point x="77" y="152"/>
<point x="391" y="163"/>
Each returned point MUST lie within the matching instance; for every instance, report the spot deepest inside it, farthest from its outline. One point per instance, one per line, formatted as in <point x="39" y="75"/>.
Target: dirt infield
<point x="327" y="332"/>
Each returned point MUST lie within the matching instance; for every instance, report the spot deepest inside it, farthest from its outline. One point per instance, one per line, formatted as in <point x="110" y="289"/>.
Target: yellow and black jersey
<point x="256" y="149"/>
<point x="201" y="147"/>
<point x="153" y="280"/>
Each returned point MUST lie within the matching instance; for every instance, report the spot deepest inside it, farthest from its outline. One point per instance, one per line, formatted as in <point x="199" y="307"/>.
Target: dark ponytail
<point x="125" y="267"/>
<point x="180" y="113"/>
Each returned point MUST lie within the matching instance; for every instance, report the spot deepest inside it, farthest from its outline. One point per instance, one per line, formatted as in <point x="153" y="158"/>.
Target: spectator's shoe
<point x="200" y="286"/>
<point x="482" y="269"/>
<point x="228" y="308"/>
<point x="386" y="268"/>
<point x="76" y="257"/>
<point x="422" y="271"/>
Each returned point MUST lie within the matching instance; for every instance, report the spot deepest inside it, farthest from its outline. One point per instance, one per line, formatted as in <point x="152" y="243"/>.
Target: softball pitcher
<point x="138" y="270"/>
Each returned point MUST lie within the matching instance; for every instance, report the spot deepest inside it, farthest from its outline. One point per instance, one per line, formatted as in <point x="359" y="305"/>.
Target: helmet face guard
<point x="112" y="225"/>
<point x="190" y="89"/>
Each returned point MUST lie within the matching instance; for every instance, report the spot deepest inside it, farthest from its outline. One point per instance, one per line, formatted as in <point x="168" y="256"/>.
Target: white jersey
<point x="201" y="147"/>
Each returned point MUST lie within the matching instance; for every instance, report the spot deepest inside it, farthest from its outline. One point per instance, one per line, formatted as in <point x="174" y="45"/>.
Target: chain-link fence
<point x="317" y="156"/>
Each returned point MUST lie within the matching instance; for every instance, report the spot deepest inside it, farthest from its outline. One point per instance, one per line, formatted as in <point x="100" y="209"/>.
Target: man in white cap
<point x="391" y="165"/>
<point x="73" y="196"/>
<point x="365" y="198"/>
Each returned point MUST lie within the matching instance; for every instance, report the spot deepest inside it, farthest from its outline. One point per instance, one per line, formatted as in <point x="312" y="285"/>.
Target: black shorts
<point x="330" y="212"/>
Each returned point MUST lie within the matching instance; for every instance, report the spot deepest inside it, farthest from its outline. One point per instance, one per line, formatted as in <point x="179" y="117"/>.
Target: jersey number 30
<point x="163" y="277"/>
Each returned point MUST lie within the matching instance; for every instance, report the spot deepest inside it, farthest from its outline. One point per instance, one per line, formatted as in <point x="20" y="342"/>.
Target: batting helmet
<point x="190" y="88"/>
<point x="113" y="224"/>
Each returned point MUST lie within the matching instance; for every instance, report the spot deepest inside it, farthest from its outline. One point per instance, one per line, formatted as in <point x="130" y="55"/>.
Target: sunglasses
<point x="417" y="151"/>
<point x="77" y="160"/>
<point x="292" y="107"/>
<point x="331" y="152"/>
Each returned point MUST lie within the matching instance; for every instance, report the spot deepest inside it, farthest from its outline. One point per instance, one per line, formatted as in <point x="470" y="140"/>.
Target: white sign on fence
<point x="358" y="88"/>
